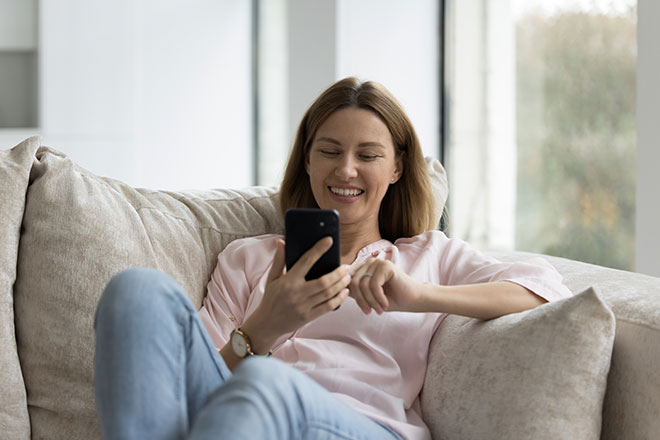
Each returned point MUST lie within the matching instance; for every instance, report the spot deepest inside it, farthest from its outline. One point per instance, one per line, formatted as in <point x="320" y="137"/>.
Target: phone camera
<point x="321" y="224"/>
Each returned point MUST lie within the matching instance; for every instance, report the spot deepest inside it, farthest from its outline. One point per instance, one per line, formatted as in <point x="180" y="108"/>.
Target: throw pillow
<point x="539" y="374"/>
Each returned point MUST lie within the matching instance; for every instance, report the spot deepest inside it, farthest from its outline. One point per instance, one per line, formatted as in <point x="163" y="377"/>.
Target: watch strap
<point x="246" y="338"/>
<point x="248" y="342"/>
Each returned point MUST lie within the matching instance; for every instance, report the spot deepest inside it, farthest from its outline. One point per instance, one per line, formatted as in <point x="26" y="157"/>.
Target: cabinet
<point x="19" y="64"/>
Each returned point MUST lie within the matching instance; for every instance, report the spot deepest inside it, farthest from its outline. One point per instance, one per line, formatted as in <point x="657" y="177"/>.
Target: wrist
<point x="261" y="339"/>
<point x="430" y="297"/>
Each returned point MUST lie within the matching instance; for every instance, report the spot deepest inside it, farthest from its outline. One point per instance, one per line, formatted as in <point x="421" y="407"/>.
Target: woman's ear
<point x="398" y="169"/>
<point x="307" y="163"/>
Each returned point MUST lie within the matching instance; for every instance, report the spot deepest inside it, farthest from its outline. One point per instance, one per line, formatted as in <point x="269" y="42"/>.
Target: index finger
<point x="355" y="268"/>
<point x="311" y="256"/>
<point x="277" y="267"/>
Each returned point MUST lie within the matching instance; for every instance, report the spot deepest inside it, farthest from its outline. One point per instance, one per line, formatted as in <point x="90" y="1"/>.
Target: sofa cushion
<point x="15" y="167"/>
<point x="538" y="374"/>
<point x="78" y="231"/>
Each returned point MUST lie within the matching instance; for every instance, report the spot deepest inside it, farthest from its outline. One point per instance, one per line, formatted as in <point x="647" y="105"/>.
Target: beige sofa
<point x="584" y="367"/>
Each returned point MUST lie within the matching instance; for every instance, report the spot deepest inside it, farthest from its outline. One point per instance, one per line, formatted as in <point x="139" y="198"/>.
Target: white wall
<point x="313" y="53"/>
<point x="648" y="140"/>
<point x="395" y="43"/>
<point x="387" y="41"/>
<point x="155" y="93"/>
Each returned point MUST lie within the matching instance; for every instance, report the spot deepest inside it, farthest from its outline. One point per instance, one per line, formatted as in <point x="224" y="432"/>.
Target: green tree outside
<point x="576" y="135"/>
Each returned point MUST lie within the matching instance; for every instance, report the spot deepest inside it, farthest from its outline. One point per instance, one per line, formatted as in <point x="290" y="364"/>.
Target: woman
<point x="162" y="372"/>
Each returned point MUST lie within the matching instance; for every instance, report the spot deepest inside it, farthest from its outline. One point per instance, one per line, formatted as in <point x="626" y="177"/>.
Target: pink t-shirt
<point x="375" y="364"/>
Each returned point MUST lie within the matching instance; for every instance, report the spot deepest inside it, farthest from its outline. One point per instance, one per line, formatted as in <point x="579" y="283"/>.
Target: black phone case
<point x="305" y="227"/>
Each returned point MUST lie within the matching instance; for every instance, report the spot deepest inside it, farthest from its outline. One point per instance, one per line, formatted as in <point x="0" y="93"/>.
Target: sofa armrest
<point x="632" y="400"/>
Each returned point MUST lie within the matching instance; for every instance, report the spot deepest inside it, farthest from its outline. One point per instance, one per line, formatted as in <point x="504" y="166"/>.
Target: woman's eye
<point x="368" y="156"/>
<point x="329" y="153"/>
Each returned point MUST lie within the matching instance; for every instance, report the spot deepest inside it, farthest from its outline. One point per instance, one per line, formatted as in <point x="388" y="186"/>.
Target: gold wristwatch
<point x="240" y="343"/>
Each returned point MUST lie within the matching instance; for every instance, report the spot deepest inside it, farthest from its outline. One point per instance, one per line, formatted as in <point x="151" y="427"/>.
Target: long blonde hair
<point x="407" y="208"/>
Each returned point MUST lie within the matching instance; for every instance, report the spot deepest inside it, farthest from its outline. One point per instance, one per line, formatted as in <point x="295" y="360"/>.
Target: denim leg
<point x="267" y="399"/>
<point x="157" y="373"/>
<point x="154" y="363"/>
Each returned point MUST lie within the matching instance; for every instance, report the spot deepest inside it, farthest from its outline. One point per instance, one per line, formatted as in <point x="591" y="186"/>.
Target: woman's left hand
<point x="380" y="285"/>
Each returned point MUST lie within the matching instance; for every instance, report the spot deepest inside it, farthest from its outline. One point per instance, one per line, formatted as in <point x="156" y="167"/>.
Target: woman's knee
<point x="278" y="398"/>
<point x="275" y="380"/>
<point x="135" y="291"/>
<point x="264" y="367"/>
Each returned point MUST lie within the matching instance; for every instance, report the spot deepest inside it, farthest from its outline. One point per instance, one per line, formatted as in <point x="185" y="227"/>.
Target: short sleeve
<point x="239" y="269"/>
<point x="462" y="264"/>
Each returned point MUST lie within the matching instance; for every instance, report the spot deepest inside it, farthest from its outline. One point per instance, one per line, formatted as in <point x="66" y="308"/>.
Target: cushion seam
<point x="638" y="323"/>
<point x="169" y="215"/>
<point x="191" y="223"/>
<point x="186" y="197"/>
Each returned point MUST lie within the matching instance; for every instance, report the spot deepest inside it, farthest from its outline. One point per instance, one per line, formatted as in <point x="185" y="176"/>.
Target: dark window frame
<point x="443" y="99"/>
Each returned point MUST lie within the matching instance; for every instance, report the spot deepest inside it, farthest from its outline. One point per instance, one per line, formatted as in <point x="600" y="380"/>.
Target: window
<point x="541" y="144"/>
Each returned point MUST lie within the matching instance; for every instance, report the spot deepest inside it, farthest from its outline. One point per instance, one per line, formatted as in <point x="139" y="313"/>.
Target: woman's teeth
<point x="346" y="192"/>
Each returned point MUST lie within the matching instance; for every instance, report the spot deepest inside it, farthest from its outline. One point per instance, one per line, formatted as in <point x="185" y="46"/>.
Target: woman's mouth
<point x="345" y="192"/>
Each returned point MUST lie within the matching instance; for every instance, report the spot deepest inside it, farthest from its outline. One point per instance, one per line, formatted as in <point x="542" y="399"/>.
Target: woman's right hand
<point x="290" y="301"/>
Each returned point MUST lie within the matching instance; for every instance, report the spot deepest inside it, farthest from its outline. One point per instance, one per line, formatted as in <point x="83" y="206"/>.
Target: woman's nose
<point x="347" y="168"/>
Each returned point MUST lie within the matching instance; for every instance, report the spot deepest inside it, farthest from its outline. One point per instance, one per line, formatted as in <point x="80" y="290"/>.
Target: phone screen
<point x="304" y="228"/>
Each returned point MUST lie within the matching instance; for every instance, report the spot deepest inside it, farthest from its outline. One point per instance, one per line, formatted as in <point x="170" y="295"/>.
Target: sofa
<point x="583" y="367"/>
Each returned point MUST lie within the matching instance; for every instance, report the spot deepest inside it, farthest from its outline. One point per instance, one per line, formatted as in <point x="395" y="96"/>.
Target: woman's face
<point x="351" y="164"/>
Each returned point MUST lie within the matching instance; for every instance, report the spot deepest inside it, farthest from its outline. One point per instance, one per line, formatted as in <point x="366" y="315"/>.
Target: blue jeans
<point x="159" y="376"/>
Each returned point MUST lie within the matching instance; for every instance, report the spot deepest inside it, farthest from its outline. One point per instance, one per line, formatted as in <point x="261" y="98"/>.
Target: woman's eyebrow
<point x="327" y="139"/>
<point x="361" y="144"/>
<point x="371" y="144"/>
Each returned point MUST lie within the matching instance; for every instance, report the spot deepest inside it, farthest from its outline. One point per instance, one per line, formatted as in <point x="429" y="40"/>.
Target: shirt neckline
<point x="373" y="247"/>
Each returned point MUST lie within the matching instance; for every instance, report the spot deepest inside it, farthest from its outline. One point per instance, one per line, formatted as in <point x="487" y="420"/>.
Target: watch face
<point x="238" y="344"/>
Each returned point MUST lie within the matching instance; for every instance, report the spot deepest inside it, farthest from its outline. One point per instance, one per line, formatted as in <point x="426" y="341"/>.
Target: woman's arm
<point x="381" y="286"/>
<point x="483" y="301"/>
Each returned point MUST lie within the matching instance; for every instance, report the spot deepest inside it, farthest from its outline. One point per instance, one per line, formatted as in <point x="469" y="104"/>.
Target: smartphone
<point x="303" y="229"/>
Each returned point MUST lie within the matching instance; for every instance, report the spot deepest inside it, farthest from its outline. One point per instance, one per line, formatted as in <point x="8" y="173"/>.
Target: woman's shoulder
<point x="423" y="240"/>
<point x="257" y="245"/>
<point x="433" y="243"/>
